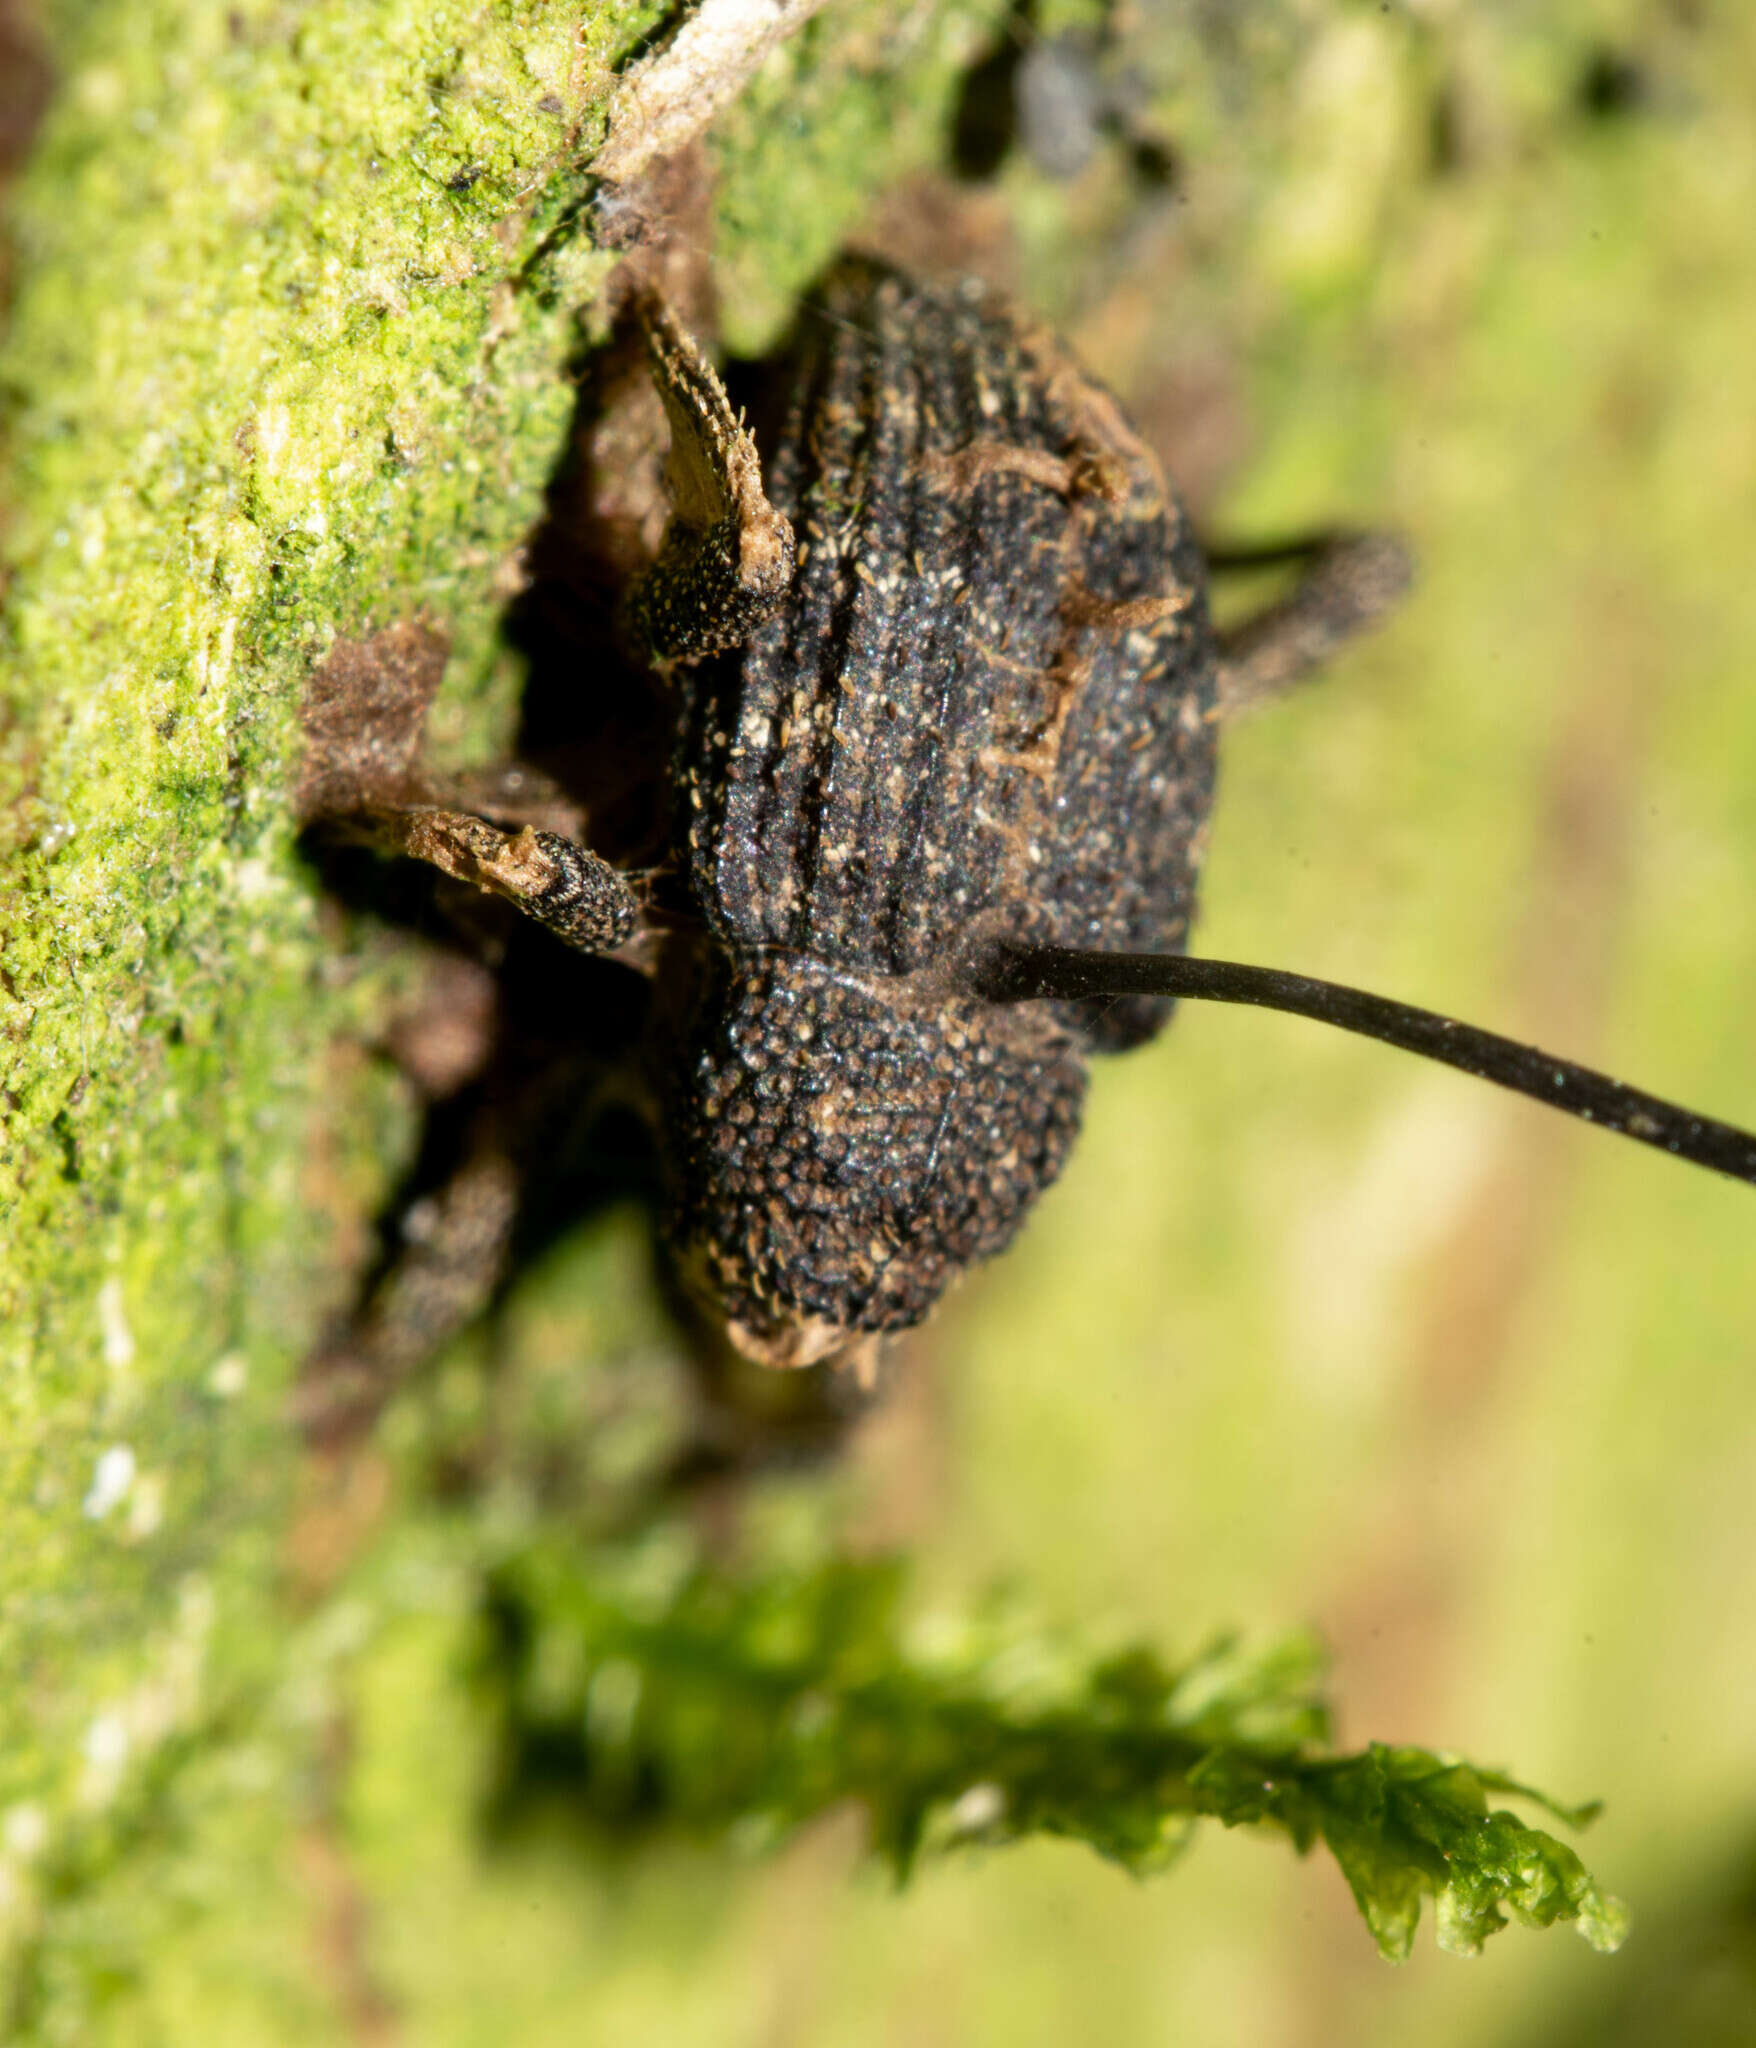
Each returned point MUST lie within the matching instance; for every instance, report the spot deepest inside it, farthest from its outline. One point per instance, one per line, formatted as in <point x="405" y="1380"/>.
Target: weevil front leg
<point x="724" y="563"/>
<point x="1350" y="581"/>
<point x="365" y="716"/>
<point x="564" y="886"/>
<point x="727" y="555"/>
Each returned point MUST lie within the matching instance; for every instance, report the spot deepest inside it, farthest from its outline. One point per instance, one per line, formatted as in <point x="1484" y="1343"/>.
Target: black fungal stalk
<point x="1023" y="974"/>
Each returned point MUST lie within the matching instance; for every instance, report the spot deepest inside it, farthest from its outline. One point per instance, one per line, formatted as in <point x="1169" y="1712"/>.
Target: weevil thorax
<point x="840" y="1147"/>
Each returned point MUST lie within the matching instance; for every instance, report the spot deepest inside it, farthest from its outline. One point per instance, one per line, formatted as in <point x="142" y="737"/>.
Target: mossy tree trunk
<point x="296" y="295"/>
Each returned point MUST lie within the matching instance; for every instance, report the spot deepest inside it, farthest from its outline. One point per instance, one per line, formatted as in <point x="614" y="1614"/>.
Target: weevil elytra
<point x="946" y="698"/>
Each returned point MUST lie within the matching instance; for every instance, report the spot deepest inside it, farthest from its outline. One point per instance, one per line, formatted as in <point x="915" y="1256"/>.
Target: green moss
<point x="277" y="373"/>
<point x="287" y="362"/>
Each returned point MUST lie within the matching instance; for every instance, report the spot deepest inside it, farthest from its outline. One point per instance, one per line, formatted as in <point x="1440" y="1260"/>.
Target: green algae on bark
<point x="281" y="365"/>
<point x="296" y="294"/>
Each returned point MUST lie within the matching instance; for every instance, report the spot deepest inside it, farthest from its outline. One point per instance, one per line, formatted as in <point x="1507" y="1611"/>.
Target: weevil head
<point x="840" y="1148"/>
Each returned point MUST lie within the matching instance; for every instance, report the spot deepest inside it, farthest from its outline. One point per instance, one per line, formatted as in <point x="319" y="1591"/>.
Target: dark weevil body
<point x="986" y="708"/>
<point x="947" y="697"/>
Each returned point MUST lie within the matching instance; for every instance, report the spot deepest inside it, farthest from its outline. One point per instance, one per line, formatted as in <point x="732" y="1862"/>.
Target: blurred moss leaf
<point x="748" y="1703"/>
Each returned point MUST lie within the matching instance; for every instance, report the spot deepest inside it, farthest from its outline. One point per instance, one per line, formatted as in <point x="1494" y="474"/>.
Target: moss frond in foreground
<point x="647" y="1687"/>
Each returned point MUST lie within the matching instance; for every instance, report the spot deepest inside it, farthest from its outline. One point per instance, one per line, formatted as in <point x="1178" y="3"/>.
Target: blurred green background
<point x="1307" y="1333"/>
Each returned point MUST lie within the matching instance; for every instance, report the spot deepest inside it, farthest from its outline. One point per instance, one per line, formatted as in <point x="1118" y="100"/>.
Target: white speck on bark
<point x="118" y="1339"/>
<point x="24" y="1829"/>
<point x="977" y="1808"/>
<point x="111" y="1478"/>
<point x="107" y="1743"/>
<point x="229" y="1376"/>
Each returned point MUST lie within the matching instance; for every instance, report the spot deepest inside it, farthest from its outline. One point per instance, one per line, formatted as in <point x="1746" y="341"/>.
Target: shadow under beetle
<point x="946" y="696"/>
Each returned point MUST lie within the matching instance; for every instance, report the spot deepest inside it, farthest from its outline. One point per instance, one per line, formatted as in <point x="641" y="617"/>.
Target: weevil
<point x="945" y="698"/>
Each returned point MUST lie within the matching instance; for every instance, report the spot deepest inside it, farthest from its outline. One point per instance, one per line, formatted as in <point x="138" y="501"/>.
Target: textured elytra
<point x="988" y="694"/>
<point x="984" y="708"/>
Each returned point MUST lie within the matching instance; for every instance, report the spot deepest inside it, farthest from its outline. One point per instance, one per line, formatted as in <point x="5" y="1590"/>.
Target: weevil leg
<point x="727" y="554"/>
<point x="455" y="1252"/>
<point x="365" y="716"/>
<point x="1350" y="581"/>
<point x="577" y="895"/>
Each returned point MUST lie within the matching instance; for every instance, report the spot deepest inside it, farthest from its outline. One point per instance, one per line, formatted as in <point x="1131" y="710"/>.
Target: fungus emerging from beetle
<point x="947" y="698"/>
